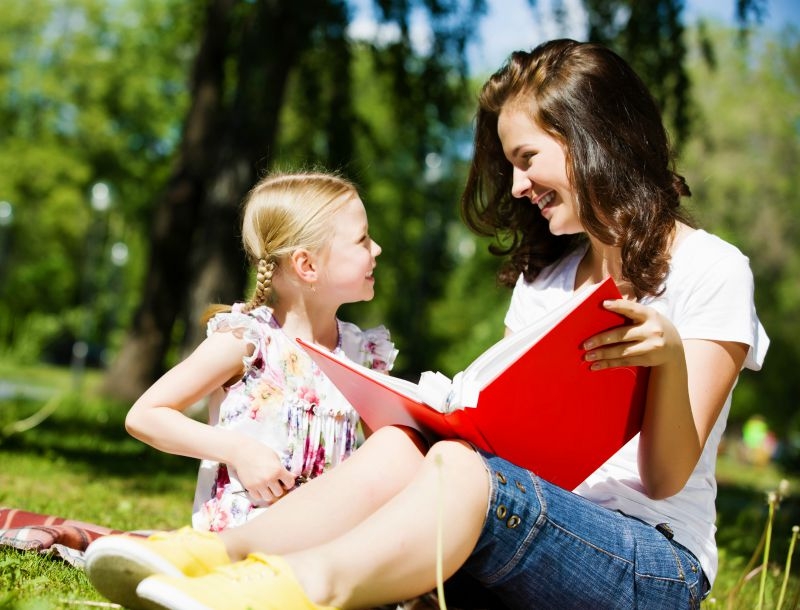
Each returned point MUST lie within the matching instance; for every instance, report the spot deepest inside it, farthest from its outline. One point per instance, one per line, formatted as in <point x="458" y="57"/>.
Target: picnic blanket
<point x="66" y="539"/>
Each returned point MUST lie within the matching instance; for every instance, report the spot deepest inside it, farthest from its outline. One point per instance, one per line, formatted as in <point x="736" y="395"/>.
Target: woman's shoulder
<point x="372" y="347"/>
<point x="702" y="253"/>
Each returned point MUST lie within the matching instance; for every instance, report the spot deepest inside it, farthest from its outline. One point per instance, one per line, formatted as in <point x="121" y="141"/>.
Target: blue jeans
<point x="544" y="547"/>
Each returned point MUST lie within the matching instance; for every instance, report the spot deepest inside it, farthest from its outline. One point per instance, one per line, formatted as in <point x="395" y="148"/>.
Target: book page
<point x="486" y="367"/>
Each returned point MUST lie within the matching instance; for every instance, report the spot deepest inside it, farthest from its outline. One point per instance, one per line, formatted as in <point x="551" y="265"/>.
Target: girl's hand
<point x="649" y="340"/>
<point x="261" y="472"/>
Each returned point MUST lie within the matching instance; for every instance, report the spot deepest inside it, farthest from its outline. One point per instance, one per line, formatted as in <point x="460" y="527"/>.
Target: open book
<point x="530" y="398"/>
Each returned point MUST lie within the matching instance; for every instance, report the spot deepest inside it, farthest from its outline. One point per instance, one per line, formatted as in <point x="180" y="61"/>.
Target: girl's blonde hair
<point x="282" y="213"/>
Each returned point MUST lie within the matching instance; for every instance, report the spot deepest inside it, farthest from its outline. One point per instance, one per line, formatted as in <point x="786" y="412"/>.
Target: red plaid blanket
<point x="49" y="534"/>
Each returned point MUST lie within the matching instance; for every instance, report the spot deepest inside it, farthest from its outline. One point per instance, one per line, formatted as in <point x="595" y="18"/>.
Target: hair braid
<point x="263" y="291"/>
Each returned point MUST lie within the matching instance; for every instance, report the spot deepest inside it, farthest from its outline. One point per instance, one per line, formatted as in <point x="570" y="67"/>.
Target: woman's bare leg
<point x="391" y="556"/>
<point x="334" y="502"/>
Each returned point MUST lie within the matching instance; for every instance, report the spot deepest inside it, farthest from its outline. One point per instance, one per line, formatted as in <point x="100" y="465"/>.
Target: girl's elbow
<point x="134" y="425"/>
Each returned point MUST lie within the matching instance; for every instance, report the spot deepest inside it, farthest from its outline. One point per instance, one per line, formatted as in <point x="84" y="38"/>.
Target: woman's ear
<point x="304" y="264"/>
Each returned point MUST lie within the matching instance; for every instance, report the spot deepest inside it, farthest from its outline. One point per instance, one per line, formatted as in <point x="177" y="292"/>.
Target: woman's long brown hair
<point x="619" y="162"/>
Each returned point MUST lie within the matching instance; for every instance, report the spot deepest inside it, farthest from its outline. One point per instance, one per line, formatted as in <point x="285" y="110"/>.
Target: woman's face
<point x="539" y="169"/>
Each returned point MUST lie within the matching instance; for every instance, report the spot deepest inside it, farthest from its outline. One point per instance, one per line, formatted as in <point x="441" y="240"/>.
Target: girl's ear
<point x="304" y="264"/>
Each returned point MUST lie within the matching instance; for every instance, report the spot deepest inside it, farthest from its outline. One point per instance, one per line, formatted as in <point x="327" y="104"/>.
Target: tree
<point x="741" y="163"/>
<point x="230" y="133"/>
<point x="271" y="83"/>
<point x="86" y="97"/>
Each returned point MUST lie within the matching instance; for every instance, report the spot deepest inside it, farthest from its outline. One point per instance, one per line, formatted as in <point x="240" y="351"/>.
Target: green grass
<point x="79" y="463"/>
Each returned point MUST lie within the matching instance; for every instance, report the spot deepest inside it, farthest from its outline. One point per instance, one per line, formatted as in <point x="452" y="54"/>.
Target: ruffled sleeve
<point x="251" y="324"/>
<point x="372" y="348"/>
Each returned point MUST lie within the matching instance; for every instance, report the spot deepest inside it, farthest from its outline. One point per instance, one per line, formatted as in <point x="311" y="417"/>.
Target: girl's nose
<point x="520" y="184"/>
<point x="376" y="249"/>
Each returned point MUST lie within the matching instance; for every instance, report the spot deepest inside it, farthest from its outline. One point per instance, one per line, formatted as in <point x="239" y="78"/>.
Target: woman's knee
<point x="460" y="467"/>
<point x="389" y="456"/>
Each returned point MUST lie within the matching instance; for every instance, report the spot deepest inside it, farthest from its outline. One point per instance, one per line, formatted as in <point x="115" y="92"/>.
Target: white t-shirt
<point x="708" y="295"/>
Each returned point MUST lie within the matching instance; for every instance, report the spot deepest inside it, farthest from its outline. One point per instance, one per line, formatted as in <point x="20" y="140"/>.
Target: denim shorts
<point x="544" y="547"/>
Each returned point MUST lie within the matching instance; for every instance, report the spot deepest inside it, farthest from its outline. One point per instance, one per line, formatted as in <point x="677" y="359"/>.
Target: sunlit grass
<point x="79" y="463"/>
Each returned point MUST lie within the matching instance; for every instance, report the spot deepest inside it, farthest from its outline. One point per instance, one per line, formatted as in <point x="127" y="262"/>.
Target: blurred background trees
<point x="133" y="129"/>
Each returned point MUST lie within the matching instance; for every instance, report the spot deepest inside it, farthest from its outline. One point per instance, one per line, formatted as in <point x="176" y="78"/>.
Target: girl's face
<point x="539" y="169"/>
<point x="350" y="257"/>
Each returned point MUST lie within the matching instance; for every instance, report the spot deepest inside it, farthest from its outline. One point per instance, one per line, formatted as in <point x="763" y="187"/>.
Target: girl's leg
<point x="392" y="555"/>
<point x="333" y="503"/>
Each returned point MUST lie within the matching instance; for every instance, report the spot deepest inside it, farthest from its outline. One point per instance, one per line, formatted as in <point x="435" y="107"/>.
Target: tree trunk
<point x="195" y="252"/>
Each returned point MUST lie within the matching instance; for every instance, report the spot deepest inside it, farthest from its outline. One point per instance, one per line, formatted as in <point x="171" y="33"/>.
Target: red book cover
<point x="538" y="404"/>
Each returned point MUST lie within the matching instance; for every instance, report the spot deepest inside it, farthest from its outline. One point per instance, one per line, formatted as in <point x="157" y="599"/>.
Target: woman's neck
<point x="599" y="262"/>
<point x="602" y="261"/>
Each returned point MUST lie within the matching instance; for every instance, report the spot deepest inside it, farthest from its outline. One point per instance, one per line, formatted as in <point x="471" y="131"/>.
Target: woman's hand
<point x="688" y="385"/>
<point x="649" y="340"/>
<point x="261" y="471"/>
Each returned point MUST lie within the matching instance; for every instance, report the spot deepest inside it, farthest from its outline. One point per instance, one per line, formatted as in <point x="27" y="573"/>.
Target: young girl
<point x="275" y="420"/>
<point x="572" y="163"/>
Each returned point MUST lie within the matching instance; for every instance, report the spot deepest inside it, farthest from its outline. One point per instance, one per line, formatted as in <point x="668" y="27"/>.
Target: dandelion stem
<point x="773" y="500"/>
<point x="439" y="545"/>
<point x="795" y="529"/>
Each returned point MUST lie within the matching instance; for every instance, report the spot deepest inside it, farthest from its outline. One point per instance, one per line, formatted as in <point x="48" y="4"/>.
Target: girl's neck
<point x="321" y="329"/>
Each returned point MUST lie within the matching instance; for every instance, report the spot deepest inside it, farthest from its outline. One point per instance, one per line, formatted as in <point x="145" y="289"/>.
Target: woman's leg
<point x="392" y="555"/>
<point x="333" y="503"/>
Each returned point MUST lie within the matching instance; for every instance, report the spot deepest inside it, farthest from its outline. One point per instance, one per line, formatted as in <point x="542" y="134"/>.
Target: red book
<point x="530" y="398"/>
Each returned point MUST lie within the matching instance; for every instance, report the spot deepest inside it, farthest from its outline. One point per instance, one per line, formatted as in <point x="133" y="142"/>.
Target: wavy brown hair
<point x="619" y="162"/>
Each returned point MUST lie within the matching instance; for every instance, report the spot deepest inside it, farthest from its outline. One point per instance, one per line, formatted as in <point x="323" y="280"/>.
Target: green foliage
<point x="80" y="464"/>
<point x="741" y="163"/>
<point x="87" y="96"/>
<point x="408" y="128"/>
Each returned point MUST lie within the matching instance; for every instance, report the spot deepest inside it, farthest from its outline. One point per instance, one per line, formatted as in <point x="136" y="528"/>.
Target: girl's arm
<point x="689" y="383"/>
<point x="157" y="417"/>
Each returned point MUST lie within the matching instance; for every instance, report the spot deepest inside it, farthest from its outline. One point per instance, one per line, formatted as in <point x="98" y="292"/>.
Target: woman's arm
<point x="689" y="383"/>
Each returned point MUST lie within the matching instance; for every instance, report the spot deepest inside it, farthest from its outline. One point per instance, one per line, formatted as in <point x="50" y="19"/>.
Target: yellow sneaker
<point x="260" y="582"/>
<point x="115" y="565"/>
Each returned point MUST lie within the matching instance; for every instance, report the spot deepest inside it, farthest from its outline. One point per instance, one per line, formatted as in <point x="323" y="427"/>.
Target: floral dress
<point x="287" y="403"/>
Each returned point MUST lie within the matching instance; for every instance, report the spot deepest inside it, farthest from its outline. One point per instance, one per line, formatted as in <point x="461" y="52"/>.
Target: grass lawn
<point x="79" y="463"/>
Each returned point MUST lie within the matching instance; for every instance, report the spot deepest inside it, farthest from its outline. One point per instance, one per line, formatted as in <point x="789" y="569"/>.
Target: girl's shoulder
<point x="372" y="348"/>
<point x="256" y="322"/>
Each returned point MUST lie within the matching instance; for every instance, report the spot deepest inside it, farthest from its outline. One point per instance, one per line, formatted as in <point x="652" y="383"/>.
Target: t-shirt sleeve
<point x="719" y="306"/>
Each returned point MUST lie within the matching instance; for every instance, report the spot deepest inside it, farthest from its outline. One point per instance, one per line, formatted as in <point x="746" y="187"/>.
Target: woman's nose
<point x="520" y="184"/>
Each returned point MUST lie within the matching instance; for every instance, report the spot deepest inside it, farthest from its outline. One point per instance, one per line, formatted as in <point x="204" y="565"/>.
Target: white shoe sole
<point x="115" y="566"/>
<point x="161" y="596"/>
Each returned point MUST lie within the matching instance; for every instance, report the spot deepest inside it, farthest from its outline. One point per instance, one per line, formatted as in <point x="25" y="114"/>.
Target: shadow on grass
<point x="90" y="435"/>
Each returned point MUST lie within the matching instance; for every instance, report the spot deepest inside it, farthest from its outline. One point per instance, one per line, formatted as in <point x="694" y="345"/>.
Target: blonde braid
<point x="263" y="293"/>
